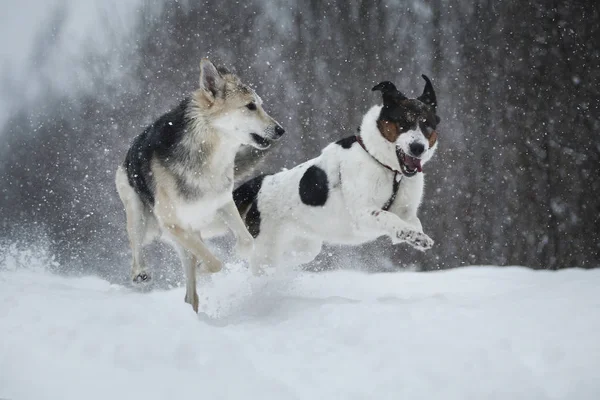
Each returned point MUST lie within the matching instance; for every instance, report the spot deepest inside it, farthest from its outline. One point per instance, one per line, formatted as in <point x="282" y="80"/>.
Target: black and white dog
<point x="177" y="178"/>
<point x="359" y="188"/>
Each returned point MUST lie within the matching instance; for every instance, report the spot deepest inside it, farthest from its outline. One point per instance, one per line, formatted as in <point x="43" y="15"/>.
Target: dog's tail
<point x="246" y="194"/>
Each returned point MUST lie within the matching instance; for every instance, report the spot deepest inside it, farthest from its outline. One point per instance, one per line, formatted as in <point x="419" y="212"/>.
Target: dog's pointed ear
<point x="428" y="96"/>
<point x="211" y="80"/>
<point x="391" y="95"/>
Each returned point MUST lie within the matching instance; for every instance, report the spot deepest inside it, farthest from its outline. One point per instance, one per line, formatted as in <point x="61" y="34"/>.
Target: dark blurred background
<point x="514" y="182"/>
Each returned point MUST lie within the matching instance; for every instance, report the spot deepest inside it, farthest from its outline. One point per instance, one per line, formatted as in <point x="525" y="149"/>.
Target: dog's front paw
<point x="416" y="239"/>
<point x="244" y="247"/>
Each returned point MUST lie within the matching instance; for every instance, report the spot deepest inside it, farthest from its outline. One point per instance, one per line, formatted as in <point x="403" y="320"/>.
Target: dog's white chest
<point x="198" y="213"/>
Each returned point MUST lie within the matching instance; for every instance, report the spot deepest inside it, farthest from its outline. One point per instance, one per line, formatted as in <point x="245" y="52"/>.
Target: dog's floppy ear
<point x="428" y="96"/>
<point x="391" y="95"/>
<point x="211" y="80"/>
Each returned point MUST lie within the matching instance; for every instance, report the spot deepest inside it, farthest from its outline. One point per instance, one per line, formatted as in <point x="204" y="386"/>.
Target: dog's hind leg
<point x="188" y="262"/>
<point x="136" y="229"/>
<point x="135" y="212"/>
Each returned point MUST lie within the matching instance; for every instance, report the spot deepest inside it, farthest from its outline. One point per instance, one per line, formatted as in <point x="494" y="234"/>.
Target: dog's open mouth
<point x="262" y="142"/>
<point x="408" y="165"/>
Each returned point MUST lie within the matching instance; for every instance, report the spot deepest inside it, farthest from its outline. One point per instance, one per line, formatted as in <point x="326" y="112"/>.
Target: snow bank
<point x="470" y="333"/>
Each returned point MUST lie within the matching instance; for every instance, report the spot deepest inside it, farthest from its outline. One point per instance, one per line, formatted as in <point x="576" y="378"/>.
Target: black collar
<point x="362" y="144"/>
<point x="397" y="176"/>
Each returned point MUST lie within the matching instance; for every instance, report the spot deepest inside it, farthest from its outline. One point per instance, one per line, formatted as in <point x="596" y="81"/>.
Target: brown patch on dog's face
<point x="388" y="129"/>
<point x="408" y="114"/>
<point x="432" y="139"/>
<point x="428" y="125"/>
<point x="400" y="114"/>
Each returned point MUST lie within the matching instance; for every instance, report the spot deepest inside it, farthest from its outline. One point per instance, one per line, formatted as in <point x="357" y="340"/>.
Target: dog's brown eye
<point x="251" y="106"/>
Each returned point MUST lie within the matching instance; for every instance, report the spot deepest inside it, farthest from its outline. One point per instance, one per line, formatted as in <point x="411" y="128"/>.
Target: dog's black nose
<point x="417" y="148"/>
<point x="279" y="131"/>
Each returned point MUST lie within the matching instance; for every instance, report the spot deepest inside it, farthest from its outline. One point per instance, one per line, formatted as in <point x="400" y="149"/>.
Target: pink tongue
<point x="414" y="163"/>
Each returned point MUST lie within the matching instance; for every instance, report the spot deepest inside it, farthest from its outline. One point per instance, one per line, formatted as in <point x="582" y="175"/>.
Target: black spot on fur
<point x="346" y="143"/>
<point x="246" y="193"/>
<point x="246" y="196"/>
<point x="314" y="187"/>
<point x="253" y="220"/>
<point x="158" y="140"/>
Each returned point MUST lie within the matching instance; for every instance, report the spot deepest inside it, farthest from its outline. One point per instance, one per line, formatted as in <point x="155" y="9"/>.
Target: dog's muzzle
<point x="408" y="165"/>
<point x="262" y="143"/>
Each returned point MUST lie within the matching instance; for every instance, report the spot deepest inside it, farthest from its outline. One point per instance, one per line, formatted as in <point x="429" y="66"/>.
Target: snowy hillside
<point x="470" y="333"/>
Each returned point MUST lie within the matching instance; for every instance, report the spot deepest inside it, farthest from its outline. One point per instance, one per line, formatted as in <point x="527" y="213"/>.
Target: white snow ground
<point x="470" y="333"/>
